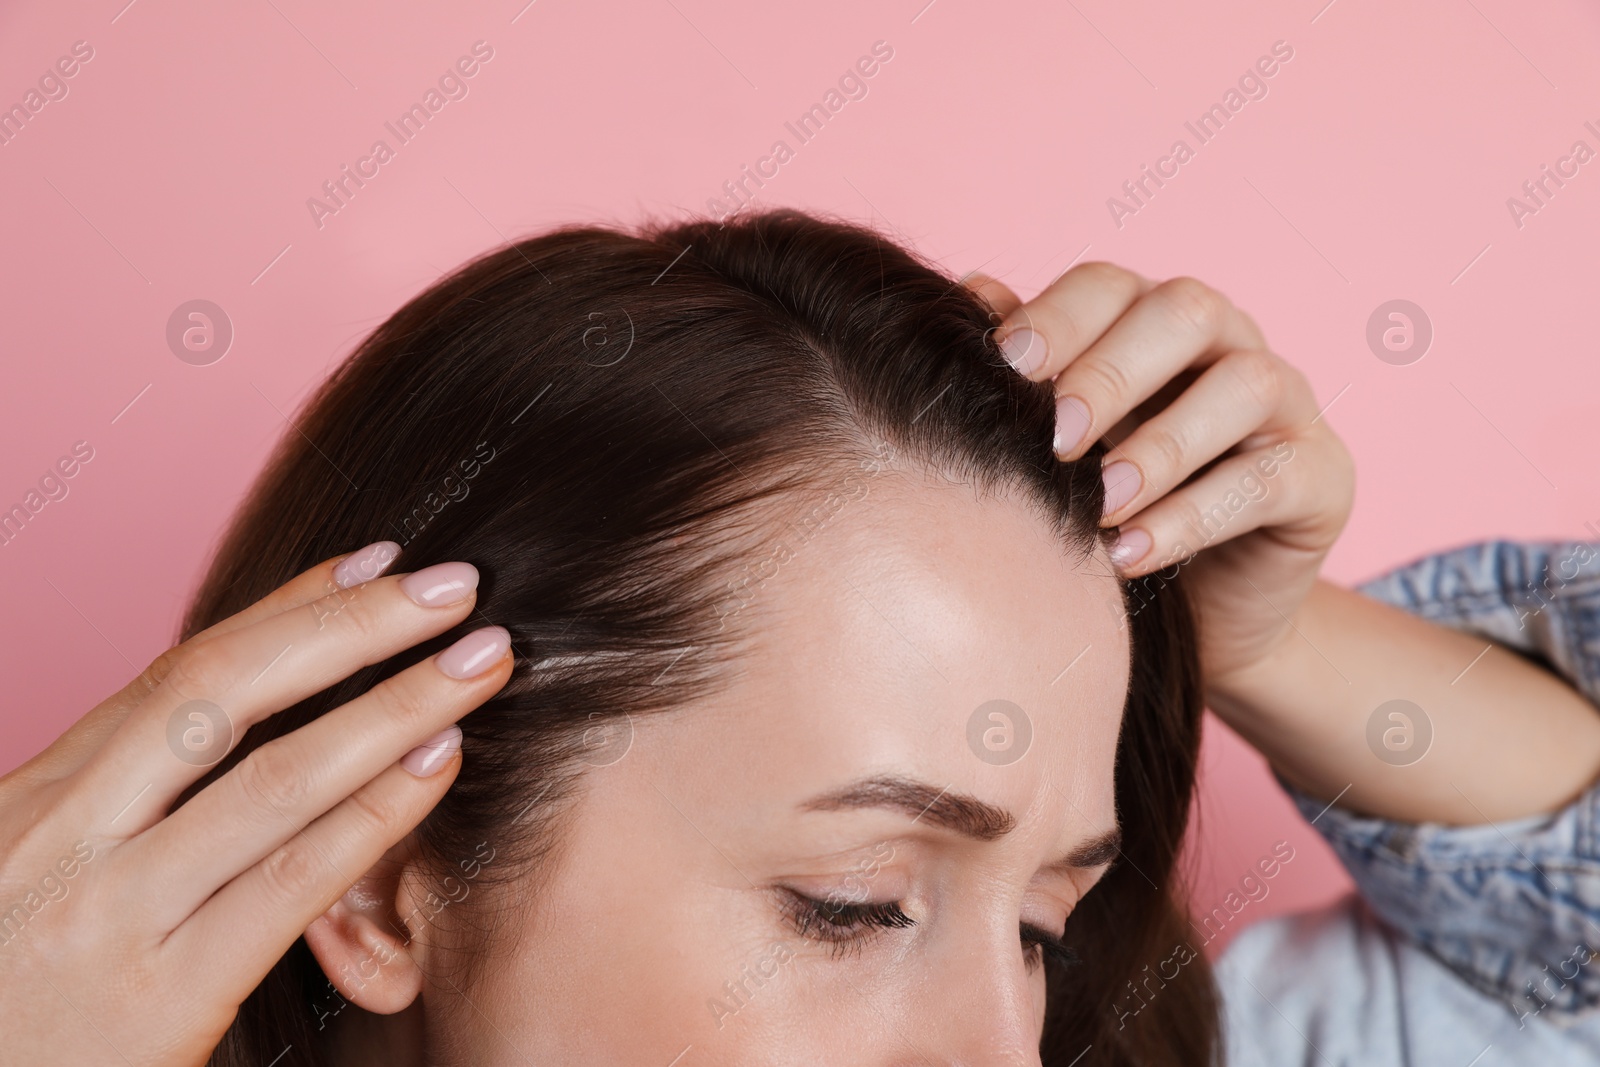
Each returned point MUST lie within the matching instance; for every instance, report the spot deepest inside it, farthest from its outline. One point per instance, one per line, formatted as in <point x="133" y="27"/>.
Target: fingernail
<point x="1122" y="483"/>
<point x="430" y="757"/>
<point x="1130" y="547"/>
<point x="474" y="653"/>
<point x="365" y="564"/>
<point x="1072" y="422"/>
<point x="441" y="584"/>
<point x="1024" y="349"/>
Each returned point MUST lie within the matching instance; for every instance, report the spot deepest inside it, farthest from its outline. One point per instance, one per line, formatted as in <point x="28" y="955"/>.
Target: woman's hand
<point x="1220" y="465"/>
<point x="1219" y="461"/>
<point x="132" y="931"/>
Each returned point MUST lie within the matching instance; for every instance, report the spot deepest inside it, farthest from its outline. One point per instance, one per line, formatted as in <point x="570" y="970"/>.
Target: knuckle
<point x="1288" y="498"/>
<point x="1295" y="379"/>
<point x="1109" y="275"/>
<point x="1260" y="375"/>
<point x="1235" y="505"/>
<point x="1068" y="333"/>
<point x="1251" y="326"/>
<point x="205" y="669"/>
<point x="292" y="872"/>
<point x="1103" y="384"/>
<point x="379" y="811"/>
<point x="1322" y="485"/>
<point x="159" y="668"/>
<point x="354" y="613"/>
<point x="271" y="779"/>
<point x="1168" y="450"/>
<point x="1065" y="336"/>
<point x="1185" y="512"/>
<point x="1196" y="304"/>
<point x="369" y="617"/>
<point x="408" y="699"/>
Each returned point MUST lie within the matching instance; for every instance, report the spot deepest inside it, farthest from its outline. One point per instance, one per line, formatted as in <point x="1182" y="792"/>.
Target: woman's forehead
<point x="932" y="629"/>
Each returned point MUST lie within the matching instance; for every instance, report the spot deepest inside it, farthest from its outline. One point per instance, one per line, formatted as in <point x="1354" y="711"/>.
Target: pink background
<point x="179" y="164"/>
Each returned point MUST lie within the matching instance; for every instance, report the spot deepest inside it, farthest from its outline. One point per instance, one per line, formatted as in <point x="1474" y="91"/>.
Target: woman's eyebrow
<point x="961" y="812"/>
<point x="1096" y="852"/>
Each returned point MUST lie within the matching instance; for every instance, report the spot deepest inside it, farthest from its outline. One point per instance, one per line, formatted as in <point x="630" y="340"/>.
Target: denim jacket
<point x="1467" y="946"/>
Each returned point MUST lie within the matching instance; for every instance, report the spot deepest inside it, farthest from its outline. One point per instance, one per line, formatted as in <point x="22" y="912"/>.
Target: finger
<point x="1247" y="392"/>
<point x="329" y="576"/>
<point x="220" y="687"/>
<point x="289" y="782"/>
<point x="998" y="294"/>
<point x="1240" y="494"/>
<point x="1178" y="324"/>
<point x="261" y="913"/>
<point x="1040" y="338"/>
<point x="73" y="748"/>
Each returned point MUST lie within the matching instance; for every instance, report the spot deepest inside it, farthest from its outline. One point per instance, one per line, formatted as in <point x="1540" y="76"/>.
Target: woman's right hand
<point x="1203" y="420"/>
<point x="131" y="932"/>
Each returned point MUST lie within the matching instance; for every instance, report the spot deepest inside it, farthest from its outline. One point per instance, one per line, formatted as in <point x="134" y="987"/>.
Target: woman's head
<point x="826" y="701"/>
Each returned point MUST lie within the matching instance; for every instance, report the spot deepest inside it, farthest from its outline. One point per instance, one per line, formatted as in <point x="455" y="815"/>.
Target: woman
<point x="835" y="694"/>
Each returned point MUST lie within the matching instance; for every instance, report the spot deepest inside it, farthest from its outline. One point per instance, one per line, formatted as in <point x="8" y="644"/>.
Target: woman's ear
<point x="362" y="945"/>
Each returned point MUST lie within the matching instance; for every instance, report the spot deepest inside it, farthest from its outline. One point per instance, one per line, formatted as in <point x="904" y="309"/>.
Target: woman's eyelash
<point x="1040" y="946"/>
<point x="838" y="923"/>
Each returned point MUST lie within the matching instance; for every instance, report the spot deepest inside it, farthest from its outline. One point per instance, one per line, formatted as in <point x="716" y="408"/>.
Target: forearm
<point x="1509" y="739"/>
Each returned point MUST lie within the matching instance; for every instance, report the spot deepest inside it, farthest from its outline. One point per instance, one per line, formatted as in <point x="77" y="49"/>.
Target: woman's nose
<point x="977" y="1008"/>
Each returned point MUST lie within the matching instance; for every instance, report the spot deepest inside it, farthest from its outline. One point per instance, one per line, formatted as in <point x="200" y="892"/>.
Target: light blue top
<point x="1473" y="946"/>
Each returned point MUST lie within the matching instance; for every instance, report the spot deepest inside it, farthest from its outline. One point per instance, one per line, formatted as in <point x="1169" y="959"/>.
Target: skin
<point x="1510" y="740"/>
<point x="878" y="642"/>
<point x="1175" y="376"/>
<point x="1170" y="373"/>
<point x="160" y="890"/>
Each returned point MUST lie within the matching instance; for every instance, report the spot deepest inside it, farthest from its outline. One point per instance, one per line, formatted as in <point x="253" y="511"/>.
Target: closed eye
<point x="1039" y="946"/>
<point x="848" y="925"/>
<point x="844" y="925"/>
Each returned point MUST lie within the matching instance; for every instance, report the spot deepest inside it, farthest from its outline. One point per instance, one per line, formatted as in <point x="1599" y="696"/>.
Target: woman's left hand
<point x="1219" y="461"/>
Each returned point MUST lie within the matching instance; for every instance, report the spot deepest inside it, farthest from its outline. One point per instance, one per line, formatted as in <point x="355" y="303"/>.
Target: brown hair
<point x="588" y="417"/>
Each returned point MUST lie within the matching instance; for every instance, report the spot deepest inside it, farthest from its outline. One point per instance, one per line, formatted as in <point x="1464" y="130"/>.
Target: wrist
<point x="1263" y="687"/>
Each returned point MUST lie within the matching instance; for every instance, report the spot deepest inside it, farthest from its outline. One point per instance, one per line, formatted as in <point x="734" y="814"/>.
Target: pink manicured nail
<point x="431" y="756"/>
<point x="474" y="653"/>
<point x="1130" y="548"/>
<point x="441" y="584"/>
<point x="1122" y="484"/>
<point x="1025" y="350"/>
<point x="1072" y="422"/>
<point x="365" y="564"/>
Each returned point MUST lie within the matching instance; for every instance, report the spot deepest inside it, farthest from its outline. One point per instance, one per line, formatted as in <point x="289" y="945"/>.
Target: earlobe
<point x="362" y="948"/>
